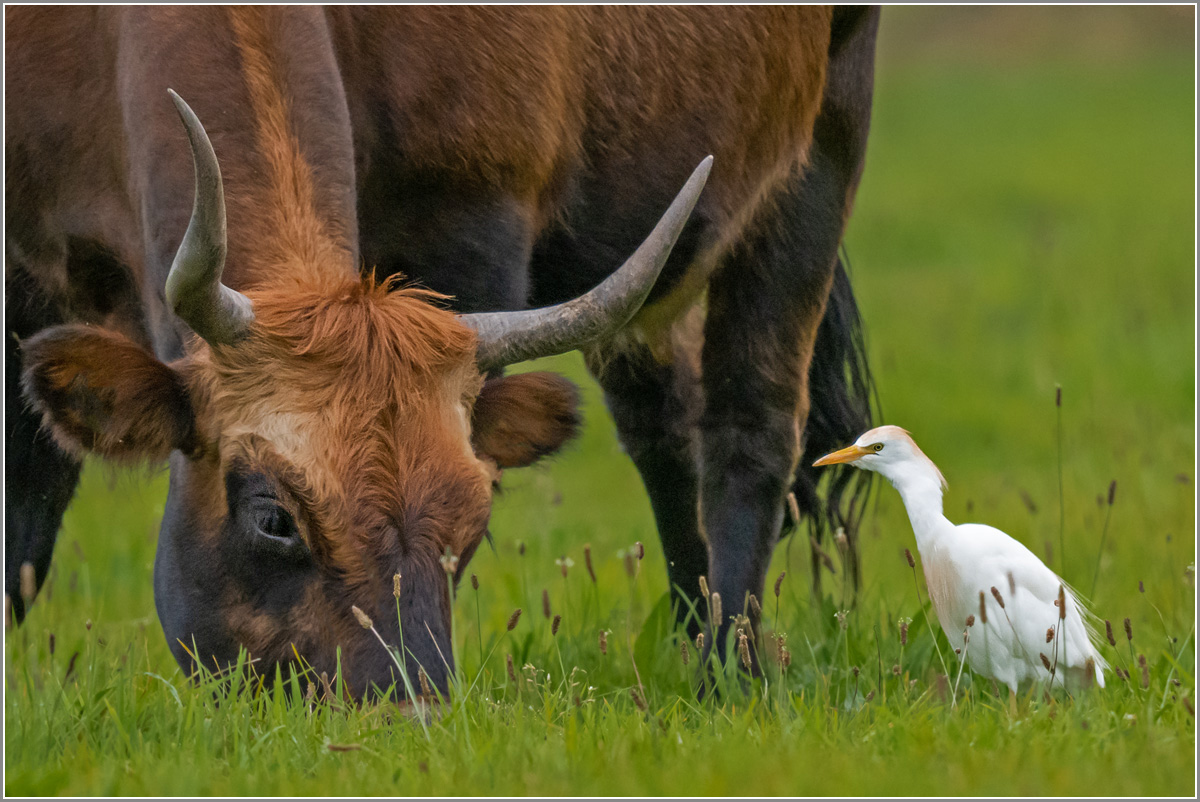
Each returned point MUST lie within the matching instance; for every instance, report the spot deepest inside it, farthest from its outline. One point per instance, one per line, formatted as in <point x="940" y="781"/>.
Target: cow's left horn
<point x="508" y="337"/>
<point x="194" y="289"/>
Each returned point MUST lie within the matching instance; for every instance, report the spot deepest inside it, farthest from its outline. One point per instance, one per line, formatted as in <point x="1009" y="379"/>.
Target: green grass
<point x="1017" y="229"/>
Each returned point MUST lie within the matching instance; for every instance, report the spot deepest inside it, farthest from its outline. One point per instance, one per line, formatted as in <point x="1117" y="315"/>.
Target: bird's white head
<point x="889" y="451"/>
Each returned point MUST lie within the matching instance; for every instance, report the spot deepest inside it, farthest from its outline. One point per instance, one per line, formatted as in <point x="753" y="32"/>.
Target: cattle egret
<point x="1019" y="631"/>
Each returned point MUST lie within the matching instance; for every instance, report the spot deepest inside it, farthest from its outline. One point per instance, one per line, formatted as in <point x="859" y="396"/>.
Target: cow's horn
<point x="194" y="289"/>
<point x="508" y="337"/>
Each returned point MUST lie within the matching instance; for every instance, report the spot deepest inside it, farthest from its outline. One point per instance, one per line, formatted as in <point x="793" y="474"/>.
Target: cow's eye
<point x="274" y="521"/>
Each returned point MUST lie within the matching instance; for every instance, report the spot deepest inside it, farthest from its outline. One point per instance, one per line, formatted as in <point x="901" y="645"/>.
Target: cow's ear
<point x="100" y="392"/>
<point x="520" y="419"/>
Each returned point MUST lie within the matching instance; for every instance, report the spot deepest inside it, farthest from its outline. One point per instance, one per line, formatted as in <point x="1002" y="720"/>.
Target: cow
<point x="309" y="319"/>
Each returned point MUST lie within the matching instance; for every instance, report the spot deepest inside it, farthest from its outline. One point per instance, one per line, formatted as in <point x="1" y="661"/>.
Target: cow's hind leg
<point x="39" y="478"/>
<point x="764" y="310"/>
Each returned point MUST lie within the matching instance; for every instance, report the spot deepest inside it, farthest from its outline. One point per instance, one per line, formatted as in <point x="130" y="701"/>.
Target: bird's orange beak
<point x="847" y="454"/>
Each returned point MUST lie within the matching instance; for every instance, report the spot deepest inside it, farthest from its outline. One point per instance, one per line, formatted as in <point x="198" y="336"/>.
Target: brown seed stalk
<point x="1128" y="630"/>
<point x="703" y="586"/>
<point x="903" y="633"/>
<point x="779" y="582"/>
<point x="971" y="620"/>
<point x="896" y="670"/>
<point x="1045" y="660"/>
<point x="513" y="619"/>
<point x="996" y="595"/>
<point x="700" y="641"/>
<point x="426" y="690"/>
<point x="638" y="700"/>
<point x="604" y="641"/>
<point x="512" y="672"/>
<point x="684" y="654"/>
<point x="554" y="625"/>
<point x="1049" y="634"/>
<point x="716" y="609"/>
<point x="474" y="582"/>
<point x="396" y="585"/>
<point x="1062" y="603"/>
<point x="546" y="603"/>
<point x="908" y="557"/>
<point x="755" y="607"/>
<point x="639" y="550"/>
<point x="982" y="609"/>
<point x="1108" y="631"/>
<point x="587" y="561"/>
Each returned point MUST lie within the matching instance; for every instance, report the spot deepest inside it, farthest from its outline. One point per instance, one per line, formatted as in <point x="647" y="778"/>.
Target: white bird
<point x="973" y="570"/>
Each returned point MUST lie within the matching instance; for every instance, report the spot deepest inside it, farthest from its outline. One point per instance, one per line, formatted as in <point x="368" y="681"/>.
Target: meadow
<point x="1025" y="223"/>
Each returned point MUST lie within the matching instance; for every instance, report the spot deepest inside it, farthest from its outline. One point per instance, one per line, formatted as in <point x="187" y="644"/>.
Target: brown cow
<point x="327" y="431"/>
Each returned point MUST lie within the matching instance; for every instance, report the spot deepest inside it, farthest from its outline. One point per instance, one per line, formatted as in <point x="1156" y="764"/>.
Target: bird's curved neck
<point x="922" y="496"/>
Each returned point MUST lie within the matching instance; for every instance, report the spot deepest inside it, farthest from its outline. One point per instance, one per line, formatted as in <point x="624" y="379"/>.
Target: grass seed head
<point x="841" y="615"/>
<point x="908" y="557"/>
<point x="1145" y="673"/>
<point x="1012" y="584"/>
<point x="521" y="547"/>
<point x="982" y="609"/>
<point x="1141" y="660"/>
<point x="996" y="595"/>
<point x="855" y="671"/>
<point x="474" y="582"/>
<point x="587" y="561"/>
<point x="513" y="619"/>
<point x="604" y="641"/>
<point x="1089" y="672"/>
<point x="449" y="562"/>
<point x="903" y="631"/>
<point x="396" y="585"/>
<point x="423" y="678"/>
<point x="554" y="625"/>
<point x="699" y="641"/>
<point x="684" y="654"/>
<point x="28" y="583"/>
<point x="1128" y="630"/>
<point x="744" y="649"/>
<point x="971" y="620"/>
<point x="704" y="586"/>
<point x="546" y="603"/>
<point x="1141" y="586"/>
<point x="310" y="692"/>
<point x="1058" y="395"/>
<point x="1062" y="603"/>
<point x="779" y="582"/>
<point x="755" y="607"/>
<point x="639" y="550"/>
<point x="638" y="700"/>
<point x="1045" y="660"/>
<point x="1108" y="631"/>
<point x="896" y="670"/>
<point x="512" y="672"/>
<point x="716" y="609"/>
<point x="363" y="620"/>
<point x="787" y="659"/>
<point x="1049" y="634"/>
<point x="51" y="644"/>
<point x="1112" y="492"/>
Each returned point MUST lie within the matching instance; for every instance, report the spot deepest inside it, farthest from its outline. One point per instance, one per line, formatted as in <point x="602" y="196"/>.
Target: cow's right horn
<point x="194" y="289"/>
<point x="508" y="337"/>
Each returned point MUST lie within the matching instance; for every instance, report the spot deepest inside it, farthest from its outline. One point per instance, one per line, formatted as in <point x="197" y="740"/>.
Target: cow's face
<point x="347" y="438"/>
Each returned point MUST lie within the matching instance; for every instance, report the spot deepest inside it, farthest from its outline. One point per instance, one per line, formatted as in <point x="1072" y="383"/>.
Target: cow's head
<point x="324" y="436"/>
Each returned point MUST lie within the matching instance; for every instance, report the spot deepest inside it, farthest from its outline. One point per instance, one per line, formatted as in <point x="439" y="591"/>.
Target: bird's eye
<point x="877" y="447"/>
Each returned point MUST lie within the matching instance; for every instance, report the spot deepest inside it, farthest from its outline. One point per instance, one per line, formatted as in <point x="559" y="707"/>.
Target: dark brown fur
<point x="502" y="155"/>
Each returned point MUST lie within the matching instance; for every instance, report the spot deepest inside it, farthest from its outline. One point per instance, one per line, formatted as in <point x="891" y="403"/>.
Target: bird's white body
<point x="962" y="561"/>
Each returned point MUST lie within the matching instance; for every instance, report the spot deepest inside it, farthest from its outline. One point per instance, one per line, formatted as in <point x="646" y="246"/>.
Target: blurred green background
<point x="1025" y="221"/>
